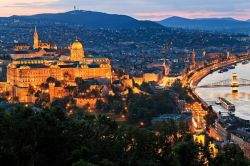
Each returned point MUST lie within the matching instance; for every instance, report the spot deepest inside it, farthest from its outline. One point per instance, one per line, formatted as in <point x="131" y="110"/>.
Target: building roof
<point x="28" y="59"/>
<point x="93" y="65"/>
<point x="33" y="65"/>
<point x="94" y="56"/>
<point x="77" y="45"/>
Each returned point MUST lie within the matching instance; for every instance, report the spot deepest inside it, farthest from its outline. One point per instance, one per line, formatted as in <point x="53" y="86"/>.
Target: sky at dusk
<point x="140" y="9"/>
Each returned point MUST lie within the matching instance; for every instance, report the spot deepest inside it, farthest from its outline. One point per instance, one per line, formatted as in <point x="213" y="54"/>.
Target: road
<point x="191" y="81"/>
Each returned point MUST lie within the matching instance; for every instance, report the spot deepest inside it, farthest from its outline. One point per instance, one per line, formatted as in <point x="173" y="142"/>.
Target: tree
<point x="181" y="91"/>
<point x="145" y="87"/>
<point x="42" y="100"/>
<point x="231" y="155"/>
<point x="210" y="118"/>
<point x="50" y="137"/>
<point x="31" y="90"/>
<point x="144" y="107"/>
<point x="50" y="80"/>
<point x="82" y="163"/>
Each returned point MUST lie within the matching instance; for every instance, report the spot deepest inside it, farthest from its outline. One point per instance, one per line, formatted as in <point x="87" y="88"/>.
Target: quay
<point x="218" y="132"/>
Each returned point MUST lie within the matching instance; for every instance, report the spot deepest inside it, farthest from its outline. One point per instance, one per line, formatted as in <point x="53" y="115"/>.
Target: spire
<point x="204" y="53"/>
<point x="193" y="53"/>
<point x="36" y="39"/>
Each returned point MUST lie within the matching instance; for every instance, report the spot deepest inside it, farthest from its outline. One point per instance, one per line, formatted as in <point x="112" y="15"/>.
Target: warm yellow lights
<point x="141" y="124"/>
<point x="77" y="51"/>
<point x="199" y="139"/>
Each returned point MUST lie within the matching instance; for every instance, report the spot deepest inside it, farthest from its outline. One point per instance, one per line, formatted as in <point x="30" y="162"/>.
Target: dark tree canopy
<point x="51" y="138"/>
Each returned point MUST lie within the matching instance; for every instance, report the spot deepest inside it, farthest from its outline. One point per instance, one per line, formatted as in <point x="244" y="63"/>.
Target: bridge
<point x="234" y="82"/>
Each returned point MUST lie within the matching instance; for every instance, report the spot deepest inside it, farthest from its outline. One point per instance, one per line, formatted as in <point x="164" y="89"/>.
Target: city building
<point x="185" y="117"/>
<point x="169" y="80"/>
<point x="37" y="44"/>
<point x="32" y="72"/>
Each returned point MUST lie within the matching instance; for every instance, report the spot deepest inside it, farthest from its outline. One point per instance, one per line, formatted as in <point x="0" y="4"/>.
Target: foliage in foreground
<point x="52" y="138"/>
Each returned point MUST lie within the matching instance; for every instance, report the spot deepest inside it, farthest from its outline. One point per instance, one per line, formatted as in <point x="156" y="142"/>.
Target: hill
<point x="90" y="19"/>
<point x="213" y="24"/>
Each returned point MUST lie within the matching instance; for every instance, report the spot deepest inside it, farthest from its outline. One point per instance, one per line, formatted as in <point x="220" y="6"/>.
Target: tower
<point x="166" y="68"/>
<point x="204" y="53"/>
<point x="193" y="58"/>
<point x="51" y="91"/>
<point x="234" y="83"/>
<point x="227" y="54"/>
<point x="36" y="40"/>
<point x="76" y="51"/>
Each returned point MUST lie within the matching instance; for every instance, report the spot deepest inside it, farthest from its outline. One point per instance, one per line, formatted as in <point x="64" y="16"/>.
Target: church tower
<point x="36" y="40"/>
<point x="76" y="51"/>
<point x="166" y="68"/>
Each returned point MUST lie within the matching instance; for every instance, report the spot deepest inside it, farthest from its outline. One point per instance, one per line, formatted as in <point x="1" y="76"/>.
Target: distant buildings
<point x="185" y="117"/>
<point x="234" y="130"/>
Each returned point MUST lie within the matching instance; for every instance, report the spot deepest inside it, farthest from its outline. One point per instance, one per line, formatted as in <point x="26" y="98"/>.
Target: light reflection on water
<point x="241" y="100"/>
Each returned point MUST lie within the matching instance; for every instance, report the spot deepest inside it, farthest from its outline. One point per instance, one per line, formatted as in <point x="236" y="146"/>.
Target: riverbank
<point x="227" y="129"/>
<point x="195" y="76"/>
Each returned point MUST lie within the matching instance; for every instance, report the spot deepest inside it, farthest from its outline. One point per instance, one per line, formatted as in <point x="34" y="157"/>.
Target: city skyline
<point x="141" y="9"/>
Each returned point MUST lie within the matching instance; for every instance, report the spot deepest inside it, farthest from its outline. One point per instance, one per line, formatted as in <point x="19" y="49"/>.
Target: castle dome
<point x="77" y="45"/>
<point x="77" y="51"/>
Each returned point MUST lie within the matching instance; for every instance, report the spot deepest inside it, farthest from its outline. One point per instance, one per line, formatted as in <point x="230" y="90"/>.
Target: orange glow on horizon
<point x="30" y="7"/>
<point x="6" y="12"/>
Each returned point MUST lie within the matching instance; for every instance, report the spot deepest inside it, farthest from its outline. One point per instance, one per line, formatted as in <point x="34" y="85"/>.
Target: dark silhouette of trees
<point x="144" y="107"/>
<point x="50" y="137"/>
<point x="210" y="117"/>
<point x="180" y="90"/>
<point x="230" y="155"/>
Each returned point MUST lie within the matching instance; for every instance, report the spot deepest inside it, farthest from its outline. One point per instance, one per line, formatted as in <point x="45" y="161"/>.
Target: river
<point x="241" y="100"/>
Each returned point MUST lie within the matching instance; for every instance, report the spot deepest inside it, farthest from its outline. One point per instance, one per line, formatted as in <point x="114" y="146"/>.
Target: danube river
<point x="241" y="100"/>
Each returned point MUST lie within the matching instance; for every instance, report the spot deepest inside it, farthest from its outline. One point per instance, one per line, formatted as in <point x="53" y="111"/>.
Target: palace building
<point x="25" y="72"/>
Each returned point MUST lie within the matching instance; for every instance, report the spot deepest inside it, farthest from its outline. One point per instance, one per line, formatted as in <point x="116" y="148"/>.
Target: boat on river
<point x="245" y="62"/>
<point x="231" y="67"/>
<point x="227" y="104"/>
<point x="225" y="69"/>
<point x="217" y="102"/>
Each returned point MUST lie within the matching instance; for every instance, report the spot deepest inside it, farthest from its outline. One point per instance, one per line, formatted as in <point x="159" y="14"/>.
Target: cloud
<point x="22" y="3"/>
<point x="156" y="16"/>
<point x="141" y="9"/>
<point x="21" y="7"/>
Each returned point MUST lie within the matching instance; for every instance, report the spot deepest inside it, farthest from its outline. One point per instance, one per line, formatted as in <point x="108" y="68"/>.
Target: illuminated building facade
<point x="25" y="72"/>
<point x="76" y="51"/>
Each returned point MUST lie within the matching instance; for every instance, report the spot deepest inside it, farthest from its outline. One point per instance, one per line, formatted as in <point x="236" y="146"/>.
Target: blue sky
<point x="140" y="9"/>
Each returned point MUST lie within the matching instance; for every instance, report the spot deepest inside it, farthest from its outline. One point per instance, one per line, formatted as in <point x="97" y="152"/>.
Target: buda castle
<point x="25" y="72"/>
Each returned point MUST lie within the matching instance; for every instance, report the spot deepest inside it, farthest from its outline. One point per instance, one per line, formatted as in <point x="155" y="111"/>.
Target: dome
<point x="77" y="45"/>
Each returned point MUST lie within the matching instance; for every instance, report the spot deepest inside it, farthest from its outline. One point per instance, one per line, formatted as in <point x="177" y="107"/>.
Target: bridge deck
<point x="217" y="86"/>
<point x="227" y="83"/>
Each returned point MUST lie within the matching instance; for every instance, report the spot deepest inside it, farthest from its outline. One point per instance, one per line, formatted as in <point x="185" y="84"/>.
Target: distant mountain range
<point x="90" y="19"/>
<point x="213" y="24"/>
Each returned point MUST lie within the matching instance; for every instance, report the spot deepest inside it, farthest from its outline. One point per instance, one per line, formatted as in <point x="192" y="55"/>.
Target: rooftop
<point x="94" y="56"/>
